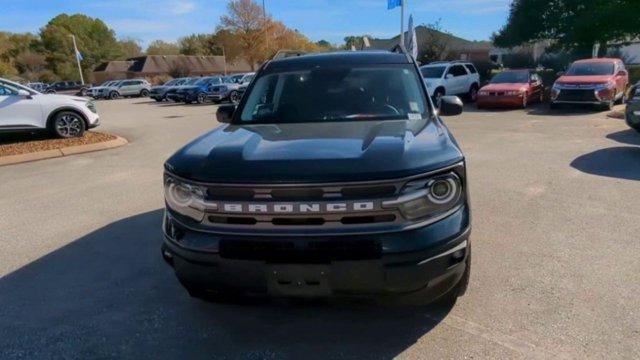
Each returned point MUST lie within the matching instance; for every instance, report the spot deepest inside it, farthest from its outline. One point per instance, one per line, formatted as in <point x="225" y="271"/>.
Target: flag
<point x="410" y="42"/>
<point x="79" y="56"/>
<point x="393" y="4"/>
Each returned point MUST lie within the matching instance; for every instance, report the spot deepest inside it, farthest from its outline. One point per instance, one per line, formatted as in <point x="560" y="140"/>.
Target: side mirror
<point x="24" y="93"/>
<point x="225" y="113"/>
<point x="450" y="106"/>
<point x="448" y="76"/>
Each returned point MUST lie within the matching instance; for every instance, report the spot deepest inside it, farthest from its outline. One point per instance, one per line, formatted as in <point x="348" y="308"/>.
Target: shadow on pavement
<point x="574" y="110"/>
<point x="629" y="136"/>
<point x="109" y="295"/>
<point x="616" y="162"/>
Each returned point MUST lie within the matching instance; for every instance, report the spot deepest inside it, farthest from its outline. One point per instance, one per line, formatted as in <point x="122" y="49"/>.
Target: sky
<point x="332" y="20"/>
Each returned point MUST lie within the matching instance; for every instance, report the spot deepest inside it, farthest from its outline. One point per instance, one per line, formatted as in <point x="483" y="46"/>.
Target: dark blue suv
<point x="198" y="91"/>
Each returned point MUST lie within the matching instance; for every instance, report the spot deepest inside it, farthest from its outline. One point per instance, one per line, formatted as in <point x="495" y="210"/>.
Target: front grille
<point x="582" y="95"/>
<point x="301" y="208"/>
<point x="497" y="93"/>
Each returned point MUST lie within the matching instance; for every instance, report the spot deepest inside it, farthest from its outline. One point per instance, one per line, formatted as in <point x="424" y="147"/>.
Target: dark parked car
<point x="363" y="192"/>
<point x="199" y="91"/>
<point x="633" y="108"/>
<point x="70" y="87"/>
<point x="159" y="93"/>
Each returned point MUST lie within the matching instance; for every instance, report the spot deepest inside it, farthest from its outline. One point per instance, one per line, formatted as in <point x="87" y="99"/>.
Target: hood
<point x="505" y="87"/>
<point x="594" y="79"/>
<point x="62" y="98"/>
<point x="322" y="152"/>
<point x="159" y="87"/>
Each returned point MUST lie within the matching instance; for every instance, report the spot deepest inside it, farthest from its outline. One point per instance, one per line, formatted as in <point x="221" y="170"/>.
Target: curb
<point x="65" y="151"/>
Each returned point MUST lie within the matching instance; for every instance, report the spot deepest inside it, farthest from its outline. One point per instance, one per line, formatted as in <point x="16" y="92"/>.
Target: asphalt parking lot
<point x="555" y="253"/>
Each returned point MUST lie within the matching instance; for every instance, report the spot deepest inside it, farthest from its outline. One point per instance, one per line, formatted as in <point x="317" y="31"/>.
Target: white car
<point x="64" y="116"/>
<point x="451" y="78"/>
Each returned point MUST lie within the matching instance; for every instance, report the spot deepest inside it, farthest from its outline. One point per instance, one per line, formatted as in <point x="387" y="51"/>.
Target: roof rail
<point x="283" y="54"/>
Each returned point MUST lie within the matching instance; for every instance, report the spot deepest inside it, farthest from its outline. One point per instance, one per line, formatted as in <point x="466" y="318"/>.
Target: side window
<point x="457" y="70"/>
<point x="471" y="68"/>
<point x="137" y="82"/>
<point x="6" y="91"/>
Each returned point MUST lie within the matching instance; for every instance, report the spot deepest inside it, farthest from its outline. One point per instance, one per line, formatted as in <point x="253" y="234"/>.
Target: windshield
<point x="432" y="72"/>
<point x="192" y="81"/>
<point x="590" y="69"/>
<point x="511" y="77"/>
<point x="205" y="81"/>
<point x="235" y="78"/>
<point x="172" y="82"/>
<point x="336" y="93"/>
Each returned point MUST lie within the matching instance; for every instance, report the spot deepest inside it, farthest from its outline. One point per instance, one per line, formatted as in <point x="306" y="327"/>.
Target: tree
<point x="160" y="47"/>
<point x="198" y="44"/>
<point x="129" y="48"/>
<point x="571" y="24"/>
<point x="436" y="44"/>
<point x="247" y="22"/>
<point x="96" y="42"/>
<point x="325" y="45"/>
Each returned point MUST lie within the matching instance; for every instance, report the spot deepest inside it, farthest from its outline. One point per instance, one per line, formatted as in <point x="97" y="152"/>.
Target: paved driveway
<point x="555" y="266"/>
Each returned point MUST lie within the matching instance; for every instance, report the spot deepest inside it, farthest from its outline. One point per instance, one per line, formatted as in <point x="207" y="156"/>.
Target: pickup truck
<point x="333" y="176"/>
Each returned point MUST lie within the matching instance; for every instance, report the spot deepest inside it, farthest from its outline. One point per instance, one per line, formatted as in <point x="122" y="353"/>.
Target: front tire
<point x="144" y="93"/>
<point x="437" y="96"/>
<point x="67" y="124"/>
<point x="113" y="95"/>
<point x="201" y="98"/>
<point x="472" y="95"/>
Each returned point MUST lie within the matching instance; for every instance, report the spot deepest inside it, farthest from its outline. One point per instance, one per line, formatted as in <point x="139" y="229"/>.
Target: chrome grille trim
<point x="383" y="216"/>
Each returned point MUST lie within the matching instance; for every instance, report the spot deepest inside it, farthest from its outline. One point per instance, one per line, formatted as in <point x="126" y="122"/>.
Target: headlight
<point x="607" y="86"/>
<point x="183" y="198"/>
<point x="429" y="197"/>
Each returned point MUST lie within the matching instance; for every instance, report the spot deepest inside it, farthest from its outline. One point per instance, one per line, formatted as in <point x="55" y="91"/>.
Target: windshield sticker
<point x="414" y="116"/>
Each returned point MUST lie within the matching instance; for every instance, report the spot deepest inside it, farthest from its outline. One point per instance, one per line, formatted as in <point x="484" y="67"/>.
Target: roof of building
<point x="158" y="64"/>
<point x="424" y="33"/>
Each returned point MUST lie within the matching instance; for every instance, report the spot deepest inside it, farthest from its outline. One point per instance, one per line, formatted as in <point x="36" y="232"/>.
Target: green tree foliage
<point x="96" y="42"/>
<point x="572" y="24"/>
<point x="198" y="44"/>
<point x="160" y="47"/>
<point x="129" y="48"/>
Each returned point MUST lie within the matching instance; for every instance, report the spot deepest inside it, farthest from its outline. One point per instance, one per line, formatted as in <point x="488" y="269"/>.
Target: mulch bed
<point x="24" y="143"/>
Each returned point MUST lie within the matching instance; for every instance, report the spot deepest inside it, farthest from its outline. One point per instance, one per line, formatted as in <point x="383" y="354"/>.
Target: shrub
<point x="485" y="67"/>
<point x="634" y="73"/>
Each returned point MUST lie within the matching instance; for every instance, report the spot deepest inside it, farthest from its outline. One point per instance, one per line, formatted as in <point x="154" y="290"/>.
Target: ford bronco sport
<point x="333" y="176"/>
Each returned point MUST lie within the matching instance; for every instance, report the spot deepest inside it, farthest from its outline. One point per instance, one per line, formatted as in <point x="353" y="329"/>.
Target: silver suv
<point x="126" y="88"/>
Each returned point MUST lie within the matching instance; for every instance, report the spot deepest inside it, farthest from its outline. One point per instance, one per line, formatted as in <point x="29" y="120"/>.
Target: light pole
<point x="77" y="55"/>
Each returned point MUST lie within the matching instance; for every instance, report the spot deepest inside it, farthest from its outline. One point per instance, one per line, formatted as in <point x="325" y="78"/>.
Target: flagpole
<point x="402" y="2"/>
<point x="75" y="53"/>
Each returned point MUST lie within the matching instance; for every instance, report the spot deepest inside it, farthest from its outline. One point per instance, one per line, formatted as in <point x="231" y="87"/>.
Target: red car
<point x="511" y="88"/>
<point x="600" y="82"/>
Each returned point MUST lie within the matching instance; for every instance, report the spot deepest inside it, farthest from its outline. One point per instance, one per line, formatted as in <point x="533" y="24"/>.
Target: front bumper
<point x="499" y="101"/>
<point x="428" y="261"/>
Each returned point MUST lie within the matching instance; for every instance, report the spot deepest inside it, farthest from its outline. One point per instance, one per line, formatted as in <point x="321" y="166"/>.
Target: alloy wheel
<point x="69" y="125"/>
